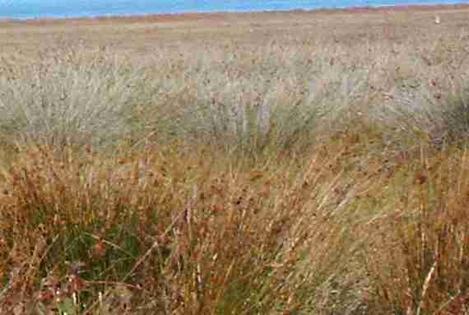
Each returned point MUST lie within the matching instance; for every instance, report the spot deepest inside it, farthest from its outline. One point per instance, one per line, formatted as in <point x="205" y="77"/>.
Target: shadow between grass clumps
<point x="456" y="118"/>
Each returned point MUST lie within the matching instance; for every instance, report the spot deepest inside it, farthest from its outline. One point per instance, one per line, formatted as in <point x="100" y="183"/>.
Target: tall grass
<point x="181" y="232"/>
<point x="425" y="273"/>
<point x="296" y="175"/>
<point x="69" y="97"/>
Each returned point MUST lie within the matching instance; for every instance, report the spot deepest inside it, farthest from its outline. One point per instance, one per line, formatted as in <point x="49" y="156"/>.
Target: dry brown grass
<point x="283" y="163"/>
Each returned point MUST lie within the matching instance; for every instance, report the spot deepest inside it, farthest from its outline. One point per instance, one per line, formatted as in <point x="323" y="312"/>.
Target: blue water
<point x="26" y="9"/>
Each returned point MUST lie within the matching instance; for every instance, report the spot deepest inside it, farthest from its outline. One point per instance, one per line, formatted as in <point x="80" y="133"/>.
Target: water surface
<point x="26" y="9"/>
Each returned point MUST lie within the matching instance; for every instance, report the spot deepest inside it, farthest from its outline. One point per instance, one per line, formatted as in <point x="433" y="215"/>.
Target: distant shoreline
<point x="200" y="15"/>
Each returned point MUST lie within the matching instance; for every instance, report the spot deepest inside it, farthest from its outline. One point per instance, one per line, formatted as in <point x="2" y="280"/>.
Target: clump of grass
<point x="440" y="121"/>
<point x="69" y="97"/>
<point x="74" y="98"/>
<point x="252" y="102"/>
<point x="426" y="270"/>
<point x="175" y="233"/>
<point x="456" y="117"/>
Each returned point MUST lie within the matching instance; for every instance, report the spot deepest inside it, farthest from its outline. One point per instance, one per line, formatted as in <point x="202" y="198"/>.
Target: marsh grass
<point x="427" y="231"/>
<point x="70" y="97"/>
<point x="264" y="173"/>
<point x="186" y="233"/>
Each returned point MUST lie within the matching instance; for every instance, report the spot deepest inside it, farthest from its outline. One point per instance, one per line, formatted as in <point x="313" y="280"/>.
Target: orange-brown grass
<point x="349" y="227"/>
<point x="418" y="259"/>
<point x="176" y="232"/>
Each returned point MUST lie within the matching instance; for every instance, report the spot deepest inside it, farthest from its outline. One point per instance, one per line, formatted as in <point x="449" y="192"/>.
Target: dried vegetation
<point x="313" y="163"/>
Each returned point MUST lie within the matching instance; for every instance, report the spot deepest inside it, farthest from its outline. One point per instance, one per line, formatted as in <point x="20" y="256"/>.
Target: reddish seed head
<point x="76" y="284"/>
<point x="420" y="178"/>
<point x="99" y="249"/>
<point x="46" y="296"/>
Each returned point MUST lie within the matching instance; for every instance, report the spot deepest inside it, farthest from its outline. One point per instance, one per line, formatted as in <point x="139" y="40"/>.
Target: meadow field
<point x="257" y="163"/>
